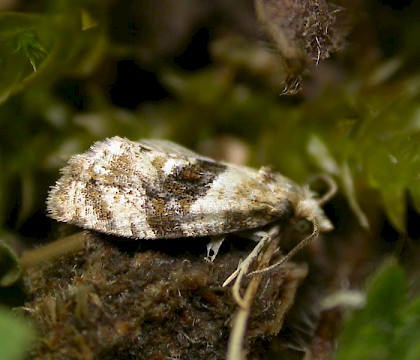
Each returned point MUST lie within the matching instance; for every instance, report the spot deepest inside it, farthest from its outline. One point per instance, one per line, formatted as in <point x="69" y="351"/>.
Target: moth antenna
<point x="332" y="187"/>
<point x="291" y="253"/>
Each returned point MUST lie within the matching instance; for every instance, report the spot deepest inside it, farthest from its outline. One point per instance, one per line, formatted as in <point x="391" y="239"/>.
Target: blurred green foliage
<point x="10" y="270"/>
<point x="388" y="327"/>
<point x="15" y="335"/>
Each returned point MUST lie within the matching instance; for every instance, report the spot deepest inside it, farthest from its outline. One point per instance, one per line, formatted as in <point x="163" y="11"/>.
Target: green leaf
<point x="10" y="270"/>
<point x="389" y="325"/>
<point x="15" y="336"/>
<point x="386" y="292"/>
<point x="406" y="344"/>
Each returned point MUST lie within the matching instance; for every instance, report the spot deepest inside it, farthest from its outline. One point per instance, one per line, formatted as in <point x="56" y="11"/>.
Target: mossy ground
<point x="149" y="300"/>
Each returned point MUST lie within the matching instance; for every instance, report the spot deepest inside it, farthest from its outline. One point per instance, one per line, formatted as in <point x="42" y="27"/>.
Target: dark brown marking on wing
<point x="170" y="197"/>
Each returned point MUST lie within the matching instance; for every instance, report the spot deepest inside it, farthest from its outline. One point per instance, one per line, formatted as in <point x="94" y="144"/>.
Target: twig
<point x="68" y="245"/>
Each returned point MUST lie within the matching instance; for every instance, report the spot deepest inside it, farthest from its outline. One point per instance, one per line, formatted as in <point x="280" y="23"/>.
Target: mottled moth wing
<point x="170" y="148"/>
<point x="157" y="189"/>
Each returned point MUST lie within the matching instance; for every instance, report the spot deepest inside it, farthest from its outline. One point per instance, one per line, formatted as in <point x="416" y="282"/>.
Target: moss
<point x="113" y="299"/>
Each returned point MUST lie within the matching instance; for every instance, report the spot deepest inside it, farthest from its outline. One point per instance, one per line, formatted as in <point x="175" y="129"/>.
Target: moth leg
<point x="213" y="247"/>
<point x="254" y="235"/>
<point x="242" y="270"/>
<point x="291" y="253"/>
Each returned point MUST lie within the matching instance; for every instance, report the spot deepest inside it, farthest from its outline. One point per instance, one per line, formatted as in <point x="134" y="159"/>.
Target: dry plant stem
<point x="235" y="349"/>
<point x="68" y="245"/>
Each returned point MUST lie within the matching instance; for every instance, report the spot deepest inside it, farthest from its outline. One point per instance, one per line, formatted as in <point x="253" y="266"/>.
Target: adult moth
<point x="156" y="189"/>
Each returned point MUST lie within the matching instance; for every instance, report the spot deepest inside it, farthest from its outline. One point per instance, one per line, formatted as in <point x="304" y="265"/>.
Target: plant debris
<point x="303" y="31"/>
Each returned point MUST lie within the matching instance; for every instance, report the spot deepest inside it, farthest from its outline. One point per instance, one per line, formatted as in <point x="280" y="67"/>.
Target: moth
<point x="156" y="189"/>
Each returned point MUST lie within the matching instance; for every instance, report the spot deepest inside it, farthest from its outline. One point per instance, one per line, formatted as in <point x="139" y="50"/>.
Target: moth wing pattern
<point x="158" y="189"/>
<point x="170" y="148"/>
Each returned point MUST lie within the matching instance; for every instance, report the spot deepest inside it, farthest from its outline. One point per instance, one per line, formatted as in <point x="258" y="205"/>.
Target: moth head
<point x="308" y="217"/>
<point x="309" y="206"/>
<point x="310" y="210"/>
